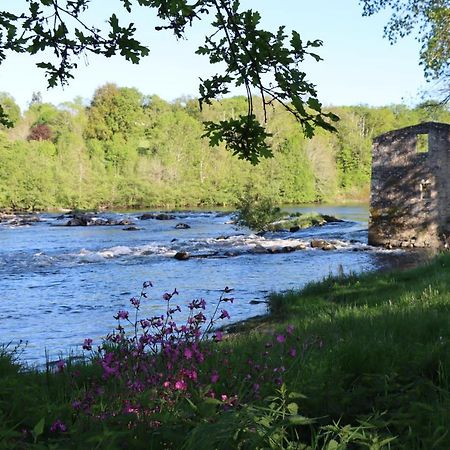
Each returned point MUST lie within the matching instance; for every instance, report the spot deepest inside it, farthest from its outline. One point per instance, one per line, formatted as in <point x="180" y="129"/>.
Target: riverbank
<point x="353" y="360"/>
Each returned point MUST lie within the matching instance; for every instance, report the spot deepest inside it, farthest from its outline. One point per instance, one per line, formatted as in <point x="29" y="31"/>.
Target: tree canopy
<point x="259" y="61"/>
<point x="430" y="21"/>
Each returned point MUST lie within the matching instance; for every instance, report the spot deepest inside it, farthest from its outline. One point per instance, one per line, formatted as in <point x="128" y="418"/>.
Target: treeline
<point x="128" y="150"/>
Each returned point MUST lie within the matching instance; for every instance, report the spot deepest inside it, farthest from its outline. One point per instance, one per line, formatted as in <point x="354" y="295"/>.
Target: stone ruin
<point x="410" y="190"/>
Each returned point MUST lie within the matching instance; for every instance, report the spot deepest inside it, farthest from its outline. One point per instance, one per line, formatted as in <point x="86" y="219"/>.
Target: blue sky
<point x="359" y="66"/>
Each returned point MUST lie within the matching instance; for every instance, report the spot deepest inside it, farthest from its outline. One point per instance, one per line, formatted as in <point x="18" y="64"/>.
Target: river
<point x="63" y="284"/>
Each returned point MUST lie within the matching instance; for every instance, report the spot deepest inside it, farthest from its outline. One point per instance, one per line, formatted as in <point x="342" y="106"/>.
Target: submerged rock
<point x="182" y="256"/>
<point x="19" y="219"/>
<point x="89" y="220"/>
<point x="324" y="245"/>
<point x="259" y="249"/>
<point x="182" y="226"/>
<point x="156" y="216"/>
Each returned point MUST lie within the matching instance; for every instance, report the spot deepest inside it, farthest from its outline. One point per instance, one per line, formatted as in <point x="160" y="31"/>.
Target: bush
<point x="256" y="211"/>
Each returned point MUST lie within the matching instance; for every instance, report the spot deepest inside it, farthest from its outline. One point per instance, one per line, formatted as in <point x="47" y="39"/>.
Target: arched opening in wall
<point x="422" y="143"/>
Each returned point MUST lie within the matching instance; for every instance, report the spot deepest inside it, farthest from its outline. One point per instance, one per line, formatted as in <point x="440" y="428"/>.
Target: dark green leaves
<point x="430" y="20"/>
<point x="4" y="118"/>
<point x="244" y="136"/>
<point x="263" y="63"/>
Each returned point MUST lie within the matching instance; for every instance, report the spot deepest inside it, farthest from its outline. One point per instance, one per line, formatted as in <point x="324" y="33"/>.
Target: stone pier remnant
<point x="410" y="189"/>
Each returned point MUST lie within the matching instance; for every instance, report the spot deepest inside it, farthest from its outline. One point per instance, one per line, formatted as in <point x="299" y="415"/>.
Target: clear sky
<point x="359" y="66"/>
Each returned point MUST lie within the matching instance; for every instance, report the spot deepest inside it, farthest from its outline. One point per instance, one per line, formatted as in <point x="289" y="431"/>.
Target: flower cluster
<point x="156" y="356"/>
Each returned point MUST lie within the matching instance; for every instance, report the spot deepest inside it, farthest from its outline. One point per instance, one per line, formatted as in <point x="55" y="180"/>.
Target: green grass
<point x="372" y="362"/>
<point x="384" y="342"/>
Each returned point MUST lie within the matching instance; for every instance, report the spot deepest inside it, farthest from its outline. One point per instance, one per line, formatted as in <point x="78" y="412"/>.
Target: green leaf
<point x="38" y="429"/>
<point x="332" y="445"/>
<point x="208" y="407"/>
<point x="300" y="420"/>
<point x="313" y="103"/>
<point x="293" y="408"/>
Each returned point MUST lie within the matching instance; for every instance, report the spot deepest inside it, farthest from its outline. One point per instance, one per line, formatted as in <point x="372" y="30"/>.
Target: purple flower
<point x="147" y="284"/>
<point x="214" y="377"/>
<point x="181" y="385"/>
<point x="290" y="329"/>
<point x="197" y="304"/>
<point x="218" y="336"/>
<point x="76" y="404"/>
<point x="200" y="317"/>
<point x="135" y="302"/>
<point x="58" y="426"/>
<point x="60" y="365"/>
<point x="121" y="315"/>
<point x="87" y="344"/>
<point x="167" y="296"/>
<point x="187" y="353"/>
<point x="224" y="314"/>
<point x="281" y="338"/>
<point x="293" y="352"/>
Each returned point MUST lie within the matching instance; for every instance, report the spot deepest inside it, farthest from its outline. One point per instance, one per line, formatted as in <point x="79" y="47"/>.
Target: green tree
<point x="10" y="110"/>
<point x="430" y="21"/>
<point x="114" y="112"/>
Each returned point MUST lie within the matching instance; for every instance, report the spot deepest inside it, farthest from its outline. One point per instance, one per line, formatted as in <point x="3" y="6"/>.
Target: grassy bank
<point x="351" y="362"/>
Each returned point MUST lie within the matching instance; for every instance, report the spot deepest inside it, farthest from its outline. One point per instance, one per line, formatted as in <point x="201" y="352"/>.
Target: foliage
<point x="129" y="150"/>
<point x="256" y="211"/>
<point x="431" y="21"/>
<point x="9" y="111"/>
<point x="246" y="52"/>
<point x="40" y="132"/>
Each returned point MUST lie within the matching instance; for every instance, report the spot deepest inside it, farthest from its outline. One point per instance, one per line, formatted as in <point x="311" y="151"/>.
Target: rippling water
<point x="63" y="284"/>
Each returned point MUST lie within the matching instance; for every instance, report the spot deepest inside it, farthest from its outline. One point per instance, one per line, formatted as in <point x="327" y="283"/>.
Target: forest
<point x="126" y="150"/>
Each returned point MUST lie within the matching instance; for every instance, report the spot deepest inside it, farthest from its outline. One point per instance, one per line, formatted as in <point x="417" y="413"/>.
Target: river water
<point x="60" y="285"/>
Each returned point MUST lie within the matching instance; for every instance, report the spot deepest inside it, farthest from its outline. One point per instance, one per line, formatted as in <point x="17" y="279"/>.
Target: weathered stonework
<point x="410" y="190"/>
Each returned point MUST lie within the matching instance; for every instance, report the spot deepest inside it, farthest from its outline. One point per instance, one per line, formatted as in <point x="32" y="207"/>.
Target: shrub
<point x="256" y="211"/>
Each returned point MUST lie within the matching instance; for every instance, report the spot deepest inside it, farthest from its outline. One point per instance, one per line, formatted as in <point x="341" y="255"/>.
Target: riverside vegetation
<point x="129" y="150"/>
<point x="351" y="362"/>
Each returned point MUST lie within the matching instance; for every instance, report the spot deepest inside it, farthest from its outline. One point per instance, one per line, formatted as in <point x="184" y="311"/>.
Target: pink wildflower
<point x="224" y="314"/>
<point x="60" y="365"/>
<point x="293" y="352"/>
<point x="214" y="377"/>
<point x="187" y="353"/>
<point x="135" y="302"/>
<point x="281" y="338"/>
<point x="218" y="336"/>
<point x="181" y="385"/>
<point x="121" y="315"/>
<point x="87" y="345"/>
<point x="58" y="426"/>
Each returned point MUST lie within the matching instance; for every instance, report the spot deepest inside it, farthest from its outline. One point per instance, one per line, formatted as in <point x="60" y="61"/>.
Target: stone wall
<point x="410" y="190"/>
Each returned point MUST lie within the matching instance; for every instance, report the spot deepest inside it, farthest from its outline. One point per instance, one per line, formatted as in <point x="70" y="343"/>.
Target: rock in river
<point x="324" y="245"/>
<point x="182" y="226"/>
<point x="161" y="216"/>
<point x="181" y="256"/>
